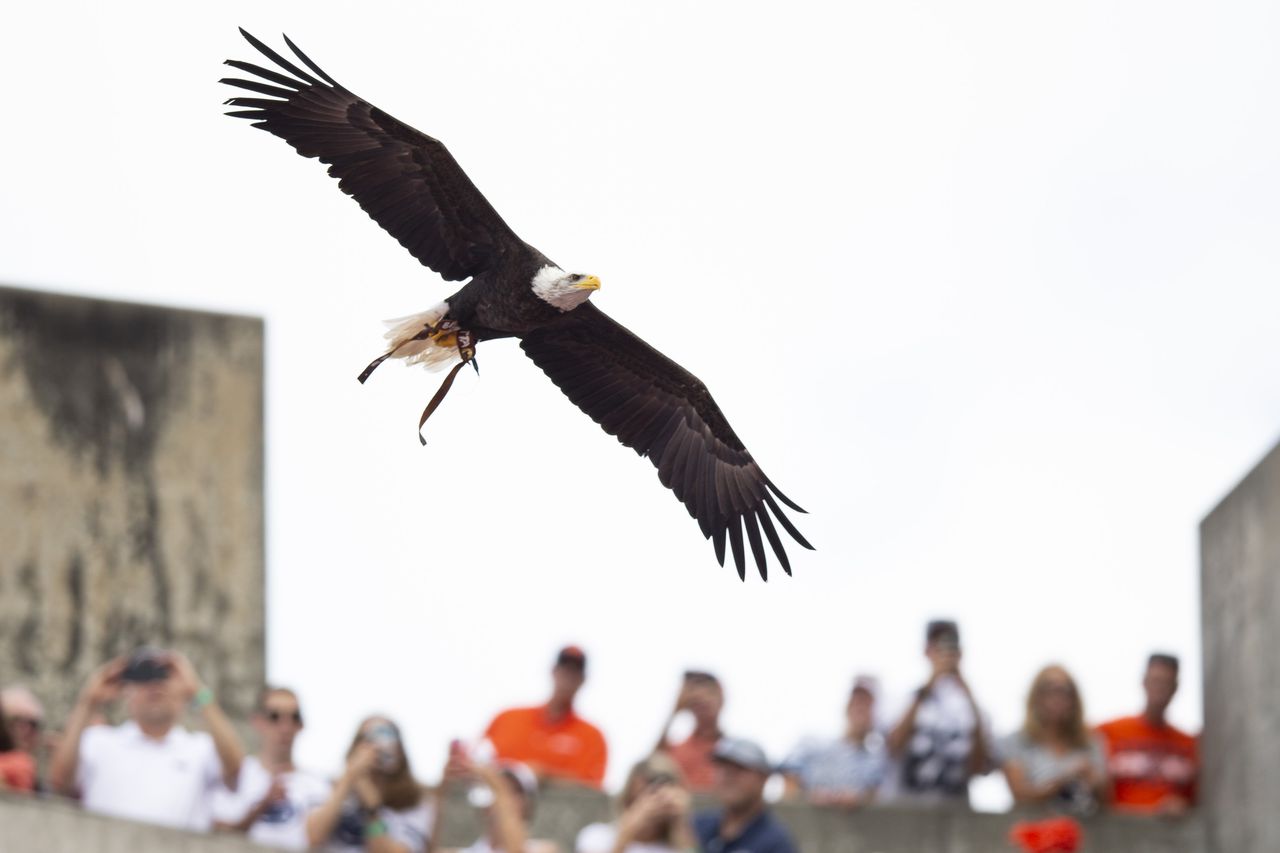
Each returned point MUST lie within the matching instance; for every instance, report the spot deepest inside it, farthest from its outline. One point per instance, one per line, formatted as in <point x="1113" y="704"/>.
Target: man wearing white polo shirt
<point x="149" y="768"/>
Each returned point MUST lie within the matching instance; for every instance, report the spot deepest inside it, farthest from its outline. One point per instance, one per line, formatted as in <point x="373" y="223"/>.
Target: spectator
<point x="942" y="740"/>
<point x="17" y="768"/>
<point x="274" y="797"/>
<point x="551" y="739"/>
<point x="655" y="813"/>
<point x="743" y="822"/>
<point x="1054" y="759"/>
<point x="376" y="806"/>
<point x="149" y="768"/>
<point x="703" y="697"/>
<point x="508" y="791"/>
<point x="1153" y="765"/>
<point x="845" y="772"/>
<point x="26" y="725"/>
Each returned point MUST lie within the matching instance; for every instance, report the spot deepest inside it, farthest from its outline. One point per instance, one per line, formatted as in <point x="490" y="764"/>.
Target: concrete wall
<point x="27" y="826"/>
<point x="131" y="466"/>
<point x="1240" y="618"/>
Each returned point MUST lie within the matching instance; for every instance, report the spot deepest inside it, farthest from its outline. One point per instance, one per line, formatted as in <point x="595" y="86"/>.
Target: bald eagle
<point x="411" y="186"/>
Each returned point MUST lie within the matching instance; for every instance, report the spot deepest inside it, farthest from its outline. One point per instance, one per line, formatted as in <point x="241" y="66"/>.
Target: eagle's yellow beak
<point x="588" y="283"/>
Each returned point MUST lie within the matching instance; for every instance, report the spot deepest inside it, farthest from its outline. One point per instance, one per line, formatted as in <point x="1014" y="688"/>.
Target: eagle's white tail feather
<point x="432" y="353"/>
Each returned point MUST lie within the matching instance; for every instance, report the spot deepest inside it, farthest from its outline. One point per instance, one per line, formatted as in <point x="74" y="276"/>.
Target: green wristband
<point x="374" y="828"/>
<point x="203" y="697"/>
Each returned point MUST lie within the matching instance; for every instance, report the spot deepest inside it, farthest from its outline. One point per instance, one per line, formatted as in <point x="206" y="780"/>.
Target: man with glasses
<point x="273" y="797"/>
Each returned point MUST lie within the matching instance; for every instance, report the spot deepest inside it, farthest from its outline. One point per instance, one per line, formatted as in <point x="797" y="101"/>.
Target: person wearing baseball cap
<point x="551" y="738"/>
<point x="743" y="821"/>
<point x="942" y="739"/>
<point x="848" y="771"/>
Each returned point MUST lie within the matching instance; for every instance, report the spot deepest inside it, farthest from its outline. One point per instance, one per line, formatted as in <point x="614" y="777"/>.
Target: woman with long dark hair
<point x="376" y="805"/>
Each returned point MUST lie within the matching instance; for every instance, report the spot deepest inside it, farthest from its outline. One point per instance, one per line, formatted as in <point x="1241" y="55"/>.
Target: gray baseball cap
<point x="742" y="752"/>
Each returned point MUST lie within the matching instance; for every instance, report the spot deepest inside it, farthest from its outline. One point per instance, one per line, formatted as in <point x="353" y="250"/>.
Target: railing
<point x="49" y="826"/>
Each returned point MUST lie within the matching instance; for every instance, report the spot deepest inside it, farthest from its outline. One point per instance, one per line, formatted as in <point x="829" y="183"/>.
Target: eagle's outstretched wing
<point x="406" y="181"/>
<point x="662" y="411"/>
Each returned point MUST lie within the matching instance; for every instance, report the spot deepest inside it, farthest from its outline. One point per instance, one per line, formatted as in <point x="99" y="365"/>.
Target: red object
<point x="693" y="756"/>
<point x="17" y="771"/>
<point x="1055" y="835"/>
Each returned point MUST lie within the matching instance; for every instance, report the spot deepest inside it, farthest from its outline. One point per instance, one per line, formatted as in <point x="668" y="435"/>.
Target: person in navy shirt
<point x="743" y="823"/>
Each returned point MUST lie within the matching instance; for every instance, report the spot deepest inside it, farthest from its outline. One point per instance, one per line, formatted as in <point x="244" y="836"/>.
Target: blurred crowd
<point x="152" y="768"/>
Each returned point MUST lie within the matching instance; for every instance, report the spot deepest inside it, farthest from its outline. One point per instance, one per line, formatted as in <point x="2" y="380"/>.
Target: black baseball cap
<point x="572" y="656"/>
<point x="942" y="631"/>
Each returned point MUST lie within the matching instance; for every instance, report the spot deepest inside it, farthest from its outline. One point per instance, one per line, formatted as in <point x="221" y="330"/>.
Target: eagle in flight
<point x="410" y="184"/>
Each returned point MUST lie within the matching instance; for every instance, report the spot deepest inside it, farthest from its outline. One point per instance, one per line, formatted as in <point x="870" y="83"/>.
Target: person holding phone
<point x="942" y="739"/>
<point x="702" y="697"/>
<point x="654" y="815"/>
<point x="149" y="768"/>
<point x="376" y="805"/>
<point x="508" y="793"/>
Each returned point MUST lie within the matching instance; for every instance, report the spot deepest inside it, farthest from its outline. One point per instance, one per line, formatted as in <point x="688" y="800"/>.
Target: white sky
<point x="988" y="287"/>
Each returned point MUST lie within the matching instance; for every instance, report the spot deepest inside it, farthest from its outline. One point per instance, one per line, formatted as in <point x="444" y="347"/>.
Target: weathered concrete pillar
<point x="131" y="466"/>
<point x="1240" y="617"/>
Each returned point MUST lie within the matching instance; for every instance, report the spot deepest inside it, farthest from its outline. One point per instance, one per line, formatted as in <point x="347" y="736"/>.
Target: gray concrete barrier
<point x="1240" y="619"/>
<point x="48" y="826"/>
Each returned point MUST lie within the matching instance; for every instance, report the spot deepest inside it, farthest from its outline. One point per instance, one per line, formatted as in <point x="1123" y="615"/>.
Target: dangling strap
<point x="437" y="399"/>
<point x="373" y="365"/>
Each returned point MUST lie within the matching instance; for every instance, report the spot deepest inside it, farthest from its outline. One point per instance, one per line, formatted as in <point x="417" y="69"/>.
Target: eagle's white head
<point x="563" y="290"/>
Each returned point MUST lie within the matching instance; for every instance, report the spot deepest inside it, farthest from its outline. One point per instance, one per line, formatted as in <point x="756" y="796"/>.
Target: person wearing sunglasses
<point x="274" y="797"/>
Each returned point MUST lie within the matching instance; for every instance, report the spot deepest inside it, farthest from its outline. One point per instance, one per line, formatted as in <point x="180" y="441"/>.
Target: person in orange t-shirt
<point x="551" y="739"/>
<point x="1153" y="766"/>
<point x="703" y="697"/>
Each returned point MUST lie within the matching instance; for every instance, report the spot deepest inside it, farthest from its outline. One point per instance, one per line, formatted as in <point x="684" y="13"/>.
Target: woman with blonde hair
<point x="1054" y="758"/>
<point x="376" y="805"/>
<point x="655" y="813"/>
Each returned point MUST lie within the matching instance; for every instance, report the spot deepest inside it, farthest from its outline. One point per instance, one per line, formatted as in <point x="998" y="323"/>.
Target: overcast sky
<point x="989" y="288"/>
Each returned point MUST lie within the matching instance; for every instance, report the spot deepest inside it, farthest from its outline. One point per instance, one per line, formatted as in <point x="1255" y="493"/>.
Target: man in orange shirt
<point x="1152" y="765"/>
<point x="551" y="739"/>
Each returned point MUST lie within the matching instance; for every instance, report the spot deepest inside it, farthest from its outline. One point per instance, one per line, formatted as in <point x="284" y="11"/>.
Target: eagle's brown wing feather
<point x="662" y="411"/>
<point x="406" y="181"/>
